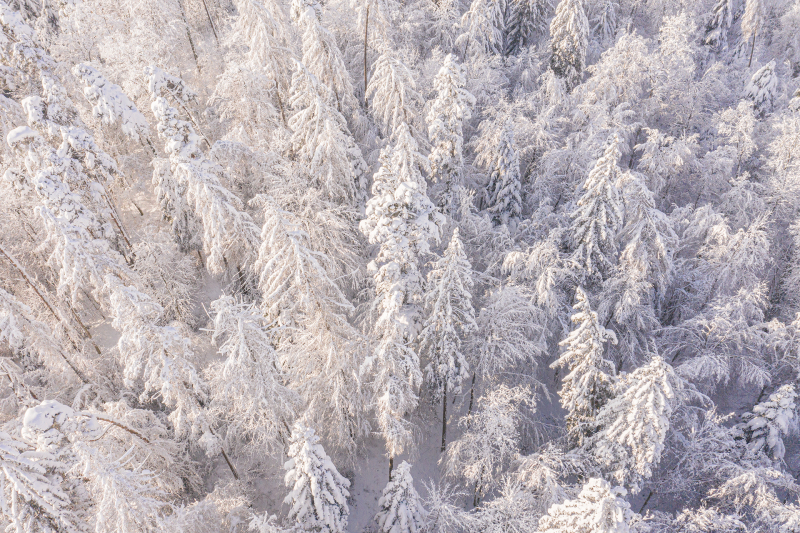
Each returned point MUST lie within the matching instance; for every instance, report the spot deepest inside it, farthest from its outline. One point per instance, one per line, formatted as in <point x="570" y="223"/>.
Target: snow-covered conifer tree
<point x="402" y="220"/>
<point x="450" y="318"/>
<point x="605" y="25"/>
<point x="481" y="28"/>
<point x="719" y="24"/>
<point x="445" y="119"/>
<point x="321" y="54"/>
<point x="230" y="237"/>
<point x="598" y="215"/>
<point x="762" y="88"/>
<point x="599" y="508"/>
<point x="400" y="507"/>
<point x="569" y="37"/>
<point x="322" y="142"/>
<point x="526" y="19"/>
<point x="503" y="192"/>
<point x="110" y="104"/>
<point x="637" y="418"/>
<point x="393" y="93"/>
<point x="770" y="421"/>
<point x="247" y="387"/>
<point x="589" y="384"/>
<point x="318" y="496"/>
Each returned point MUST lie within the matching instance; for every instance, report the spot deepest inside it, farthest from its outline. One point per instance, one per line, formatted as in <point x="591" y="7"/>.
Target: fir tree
<point x="482" y="28"/>
<point x="318" y="496"/>
<point x="598" y="215"/>
<point x="765" y="427"/>
<point x="526" y="19"/>
<point x="402" y="220"/>
<point x="504" y="190"/>
<point x="569" y="35"/>
<point x="589" y="384"/>
<point x="400" y="507"/>
<point x="599" y="508"/>
<point x="445" y="119"/>
<point x="450" y="318"/>
<point x="762" y="88"/>
<point x="637" y="418"/>
<point x="719" y="24"/>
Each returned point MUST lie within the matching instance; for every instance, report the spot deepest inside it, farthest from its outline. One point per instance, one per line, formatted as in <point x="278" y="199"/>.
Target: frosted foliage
<point x="569" y="35"/>
<point x="589" y="383"/>
<point x="481" y="28"/>
<point x="505" y="188"/>
<point x="638" y="417"/>
<point x="445" y="119"/>
<point x="393" y="92"/>
<point x="490" y="438"/>
<point x="719" y="24"/>
<point x="762" y="88"/>
<point x="229" y="235"/>
<point x="322" y="140"/>
<point x="599" y="508"/>
<point x="318" y="493"/>
<point x="450" y="318"/>
<point x="400" y="507"/>
<point x="247" y="386"/>
<point x="599" y="214"/>
<point x="401" y="219"/>
<point x="527" y="19"/>
<point x="110" y="104"/>
<point x="770" y="421"/>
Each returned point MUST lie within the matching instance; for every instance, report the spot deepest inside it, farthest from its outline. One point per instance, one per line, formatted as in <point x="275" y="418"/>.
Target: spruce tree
<point x="719" y="24"/>
<point x="590" y="382"/>
<point x="762" y="88"/>
<point x="569" y="36"/>
<point x="505" y="187"/>
<point x="402" y="220"/>
<point x="765" y="427"/>
<point x="598" y="216"/>
<point x="599" y="508"/>
<point x="445" y="119"/>
<point x="318" y="496"/>
<point x="526" y="19"/>
<point x="481" y="28"/>
<point x="400" y="507"/>
<point x="450" y="318"/>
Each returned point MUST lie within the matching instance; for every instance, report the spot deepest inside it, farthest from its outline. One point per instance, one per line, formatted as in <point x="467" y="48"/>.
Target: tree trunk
<point x="444" y="417"/>
<point x="752" y="47"/>
<point x="189" y="35"/>
<point x="366" y="35"/>
<point x="471" y="395"/>
<point x="391" y="467"/>
<point x="211" y="22"/>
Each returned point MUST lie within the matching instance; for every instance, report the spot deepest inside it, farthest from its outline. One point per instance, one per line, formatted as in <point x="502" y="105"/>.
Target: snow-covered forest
<point x="399" y="266"/>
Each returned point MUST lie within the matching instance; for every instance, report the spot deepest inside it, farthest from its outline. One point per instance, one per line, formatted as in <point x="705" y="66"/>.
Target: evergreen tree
<point x="637" y="418"/>
<point x="598" y="215"/>
<point x="769" y="421"/>
<point x="400" y="507"/>
<point x="445" y="119"/>
<point x="606" y="24"/>
<point x="247" y="386"/>
<point x="569" y="36"/>
<point x="761" y="90"/>
<point x="719" y="24"/>
<point x="402" y="220"/>
<point x="450" y="318"/>
<point x="526" y="18"/>
<point x="504" y="190"/>
<point x="318" y="495"/>
<point x="599" y="508"/>
<point x="393" y="93"/>
<point x="321" y="140"/>
<point x="481" y="28"/>
<point x="590" y="382"/>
